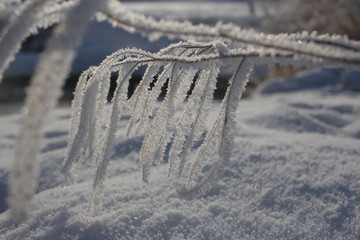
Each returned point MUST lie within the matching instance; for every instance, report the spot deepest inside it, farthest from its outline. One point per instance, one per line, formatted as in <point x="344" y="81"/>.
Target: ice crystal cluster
<point x="174" y="128"/>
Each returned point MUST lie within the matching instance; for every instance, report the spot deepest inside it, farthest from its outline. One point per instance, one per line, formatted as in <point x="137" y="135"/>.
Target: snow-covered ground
<point x="293" y="175"/>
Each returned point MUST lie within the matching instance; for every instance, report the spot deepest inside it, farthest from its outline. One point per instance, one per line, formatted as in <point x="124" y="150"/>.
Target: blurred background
<point x="273" y="16"/>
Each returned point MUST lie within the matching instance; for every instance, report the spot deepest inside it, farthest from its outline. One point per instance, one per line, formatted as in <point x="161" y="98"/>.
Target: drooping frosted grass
<point x="178" y="66"/>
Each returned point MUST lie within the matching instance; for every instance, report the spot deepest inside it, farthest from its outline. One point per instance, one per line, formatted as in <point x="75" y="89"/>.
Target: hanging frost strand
<point x="118" y="107"/>
<point x="221" y="136"/>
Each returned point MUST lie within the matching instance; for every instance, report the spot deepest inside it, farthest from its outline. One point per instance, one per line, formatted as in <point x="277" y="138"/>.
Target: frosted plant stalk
<point x="177" y="64"/>
<point x="43" y="94"/>
<point x="26" y="21"/>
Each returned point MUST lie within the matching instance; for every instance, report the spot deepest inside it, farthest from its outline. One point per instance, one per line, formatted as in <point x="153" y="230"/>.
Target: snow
<point x="293" y="175"/>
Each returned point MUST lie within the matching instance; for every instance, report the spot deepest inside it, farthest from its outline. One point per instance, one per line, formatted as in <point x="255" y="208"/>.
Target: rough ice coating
<point x="293" y="174"/>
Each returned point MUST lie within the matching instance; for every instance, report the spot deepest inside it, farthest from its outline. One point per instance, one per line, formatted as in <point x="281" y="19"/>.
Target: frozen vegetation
<point x="280" y="165"/>
<point x="294" y="174"/>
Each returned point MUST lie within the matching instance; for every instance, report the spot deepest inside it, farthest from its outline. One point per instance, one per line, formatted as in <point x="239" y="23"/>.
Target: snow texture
<point x="293" y="174"/>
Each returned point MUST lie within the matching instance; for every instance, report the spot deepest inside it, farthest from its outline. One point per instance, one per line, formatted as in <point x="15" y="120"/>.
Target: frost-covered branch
<point x="47" y="13"/>
<point x="324" y="47"/>
<point x="118" y="15"/>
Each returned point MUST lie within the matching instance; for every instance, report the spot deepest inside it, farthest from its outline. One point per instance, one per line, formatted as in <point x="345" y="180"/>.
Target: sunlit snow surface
<point x="294" y="175"/>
